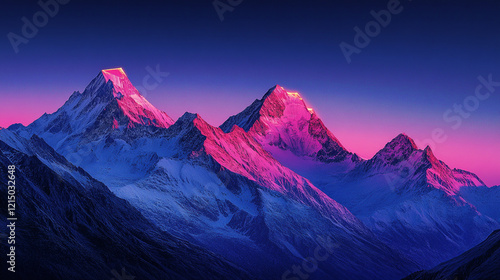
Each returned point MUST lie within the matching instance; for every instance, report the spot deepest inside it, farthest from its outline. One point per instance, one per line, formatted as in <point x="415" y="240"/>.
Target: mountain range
<point x="406" y="196"/>
<point x="257" y="197"/>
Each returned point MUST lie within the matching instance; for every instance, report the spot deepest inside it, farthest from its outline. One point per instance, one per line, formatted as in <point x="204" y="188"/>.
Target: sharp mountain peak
<point x="405" y="140"/>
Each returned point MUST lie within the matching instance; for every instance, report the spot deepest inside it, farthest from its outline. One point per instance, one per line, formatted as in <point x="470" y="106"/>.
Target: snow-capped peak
<point x="414" y="167"/>
<point x="399" y="148"/>
<point x="137" y="110"/>
<point x="429" y="155"/>
<point x="282" y="120"/>
<point x="277" y="99"/>
<point x="121" y="83"/>
<point x="117" y="78"/>
<point x="294" y="95"/>
<point x="110" y="103"/>
<point x="404" y="140"/>
<point x="114" y="74"/>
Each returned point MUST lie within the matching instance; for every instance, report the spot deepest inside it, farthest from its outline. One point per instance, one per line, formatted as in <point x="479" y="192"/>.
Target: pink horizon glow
<point x="363" y="134"/>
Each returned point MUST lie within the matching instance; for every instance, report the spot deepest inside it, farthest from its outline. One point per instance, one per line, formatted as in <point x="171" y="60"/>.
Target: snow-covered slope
<point x="36" y="147"/>
<point x="69" y="230"/>
<point x="485" y="199"/>
<point x="109" y="103"/>
<point x="224" y="192"/>
<point x="478" y="263"/>
<point x="411" y="199"/>
<point x="240" y="153"/>
<point x="281" y="121"/>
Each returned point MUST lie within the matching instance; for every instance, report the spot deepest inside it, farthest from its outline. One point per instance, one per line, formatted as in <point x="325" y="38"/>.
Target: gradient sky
<point x="427" y="59"/>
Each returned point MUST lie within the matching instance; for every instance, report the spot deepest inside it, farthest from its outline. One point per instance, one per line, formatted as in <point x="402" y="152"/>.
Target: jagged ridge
<point x="282" y="119"/>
